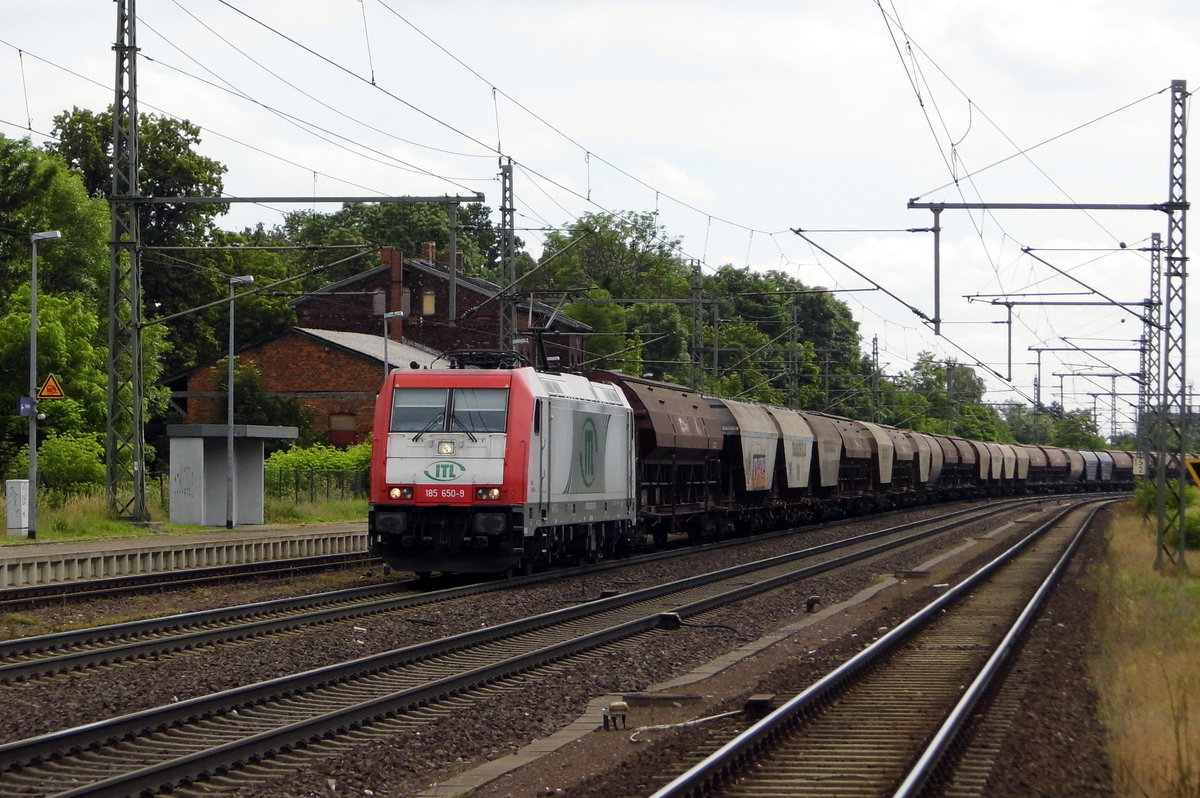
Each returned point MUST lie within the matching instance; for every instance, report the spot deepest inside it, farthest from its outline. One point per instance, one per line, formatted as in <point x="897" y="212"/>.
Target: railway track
<point x="884" y="722"/>
<point x="387" y="693"/>
<point x="32" y="657"/>
<point x="13" y="599"/>
<point x="30" y="596"/>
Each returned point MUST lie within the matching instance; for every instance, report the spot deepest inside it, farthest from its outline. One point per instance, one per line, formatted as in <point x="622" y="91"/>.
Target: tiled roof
<point x="399" y="353"/>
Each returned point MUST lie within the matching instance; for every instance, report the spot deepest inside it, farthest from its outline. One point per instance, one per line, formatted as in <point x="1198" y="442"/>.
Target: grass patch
<point x="86" y="517"/>
<point x="81" y="517"/>
<point x="1148" y="626"/>
<point x="286" y="512"/>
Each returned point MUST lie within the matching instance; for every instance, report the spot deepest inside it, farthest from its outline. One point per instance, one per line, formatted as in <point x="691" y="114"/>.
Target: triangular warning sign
<point x="51" y="389"/>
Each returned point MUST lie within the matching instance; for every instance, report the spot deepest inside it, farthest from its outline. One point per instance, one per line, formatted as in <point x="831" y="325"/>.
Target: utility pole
<point x="794" y="358"/>
<point x="1175" y="409"/>
<point x="508" y="255"/>
<point x="1150" y="410"/>
<point x="876" y="398"/>
<point x="1112" y="427"/>
<point x="1174" y="437"/>
<point x="697" y="326"/>
<point x="125" y="458"/>
<point x="716" y="359"/>
<point x="452" y="303"/>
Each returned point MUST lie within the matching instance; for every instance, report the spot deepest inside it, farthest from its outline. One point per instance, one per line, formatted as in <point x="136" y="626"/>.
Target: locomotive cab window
<point x="479" y="409"/>
<point x="468" y="410"/>
<point x="419" y="409"/>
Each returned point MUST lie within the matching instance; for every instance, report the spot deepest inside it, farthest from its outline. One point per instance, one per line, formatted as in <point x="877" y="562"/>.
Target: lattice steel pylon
<point x="1149" y="412"/>
<point x="125" y="454"/>
<point x="1175" y="410"/>
<point x="508" y="256"/>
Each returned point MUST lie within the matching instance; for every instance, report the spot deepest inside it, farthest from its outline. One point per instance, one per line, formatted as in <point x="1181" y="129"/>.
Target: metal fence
<point x="308" y="485"/>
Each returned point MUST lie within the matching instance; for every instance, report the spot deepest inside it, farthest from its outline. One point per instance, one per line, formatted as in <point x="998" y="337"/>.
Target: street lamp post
<point x="49" y="235"/>
<point x="395" y="314"/>
<point x="229" y="460"/>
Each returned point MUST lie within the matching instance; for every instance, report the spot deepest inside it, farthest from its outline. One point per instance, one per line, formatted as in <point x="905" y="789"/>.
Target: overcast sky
<point x="737" y="123"/>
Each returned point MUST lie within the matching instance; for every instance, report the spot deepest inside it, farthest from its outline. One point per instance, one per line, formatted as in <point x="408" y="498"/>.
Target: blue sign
<point x="24" y="406"/>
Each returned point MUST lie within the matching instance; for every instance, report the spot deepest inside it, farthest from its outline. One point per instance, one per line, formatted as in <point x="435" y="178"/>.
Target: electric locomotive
<point x="487" y="467"/>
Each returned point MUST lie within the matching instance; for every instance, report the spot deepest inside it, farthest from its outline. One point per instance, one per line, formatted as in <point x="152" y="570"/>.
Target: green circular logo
<point x="445" y="471"/>
<point x="587" y="452"/>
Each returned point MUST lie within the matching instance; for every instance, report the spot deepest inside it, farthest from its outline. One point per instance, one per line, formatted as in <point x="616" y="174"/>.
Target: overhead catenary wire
<point x="323" y="133"/>
<point x="956" y="178"/>
<point x="597" y="193"/>
<point x="209" y="130"/>
<point x="356" y="76"/>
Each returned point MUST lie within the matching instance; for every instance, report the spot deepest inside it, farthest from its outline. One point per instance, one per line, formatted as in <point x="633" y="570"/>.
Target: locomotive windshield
<point x="417" y="409"/>
<point x="468" y="410"/>
<point x="479" y="409"/>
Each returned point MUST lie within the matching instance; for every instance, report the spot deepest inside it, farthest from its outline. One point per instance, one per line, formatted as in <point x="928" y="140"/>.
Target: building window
<point x="343" y="429"/>
<point x="428" y="302"/>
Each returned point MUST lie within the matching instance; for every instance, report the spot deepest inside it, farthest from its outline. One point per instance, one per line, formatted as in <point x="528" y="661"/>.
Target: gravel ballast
<point x="600" y="763"/>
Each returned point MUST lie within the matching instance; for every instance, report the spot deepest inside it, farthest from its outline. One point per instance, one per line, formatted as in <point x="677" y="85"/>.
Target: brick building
<point x="334" y="375"/>
<point x="332" y="361"/>
<point x="421" y="289"/>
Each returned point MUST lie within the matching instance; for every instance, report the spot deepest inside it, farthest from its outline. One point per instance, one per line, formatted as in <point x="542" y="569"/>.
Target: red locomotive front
<point x="448" y="469"/>
<point x="499" y="469"/>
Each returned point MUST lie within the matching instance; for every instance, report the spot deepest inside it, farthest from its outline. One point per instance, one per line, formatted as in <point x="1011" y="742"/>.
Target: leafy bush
<point x="1145" y="499"/>
<point x="69" y="464"/>
<point x="318" y="473"/>
<point x="320" y="457"/>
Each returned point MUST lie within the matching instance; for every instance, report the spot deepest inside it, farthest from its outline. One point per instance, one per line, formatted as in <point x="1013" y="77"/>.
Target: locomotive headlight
<point x="400" y="493"/>
<point x="445" y="447"/>
<point x="487" y="494"/>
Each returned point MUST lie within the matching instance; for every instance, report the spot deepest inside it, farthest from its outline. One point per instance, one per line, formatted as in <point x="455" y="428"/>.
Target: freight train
<point x="490" y="465"/>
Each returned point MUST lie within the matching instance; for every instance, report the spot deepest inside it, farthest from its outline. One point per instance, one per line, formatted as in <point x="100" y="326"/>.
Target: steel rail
<point x="723" y="765"/>
<point x="251" y="699"/>
<point x="30" y="657"/>
<point x="991" y="672"/>
<point x="13" y="598"/>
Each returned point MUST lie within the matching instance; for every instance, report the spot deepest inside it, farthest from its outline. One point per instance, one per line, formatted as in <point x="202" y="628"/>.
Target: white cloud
<point x="764" y="116"/>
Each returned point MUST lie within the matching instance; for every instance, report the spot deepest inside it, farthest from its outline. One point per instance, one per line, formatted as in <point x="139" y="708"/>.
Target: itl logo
<point x="445" y="471"/>
<point x="587" y="453"/>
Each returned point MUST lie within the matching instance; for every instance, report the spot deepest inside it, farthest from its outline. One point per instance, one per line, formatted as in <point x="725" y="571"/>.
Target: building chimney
<point x="429" y="252"/>
<point x="394" y="259"/>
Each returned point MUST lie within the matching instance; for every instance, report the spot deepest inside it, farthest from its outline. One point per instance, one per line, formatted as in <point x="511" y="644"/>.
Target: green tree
<point x="71" y="345"/>
<point x="1076" y="429"/>
<point x="608" y="345"/>
<point x="405" y="226"/>
<point x="812" y="338"/>
<point x="68" y="335"/>
<point x="68" y="463"/>
<point x="475" y="223"/>
<point x="252" y="404"/>
<point x="666" y="334"/>
<point x="1029" y="425"/>
<point x="627" y="254"/>
<point x="954" y="394"/>
<point x="747" y="368"/>
<point x="982" y="423"/>
<point x="38" y="192"/>
<point x="171" y="165"/>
